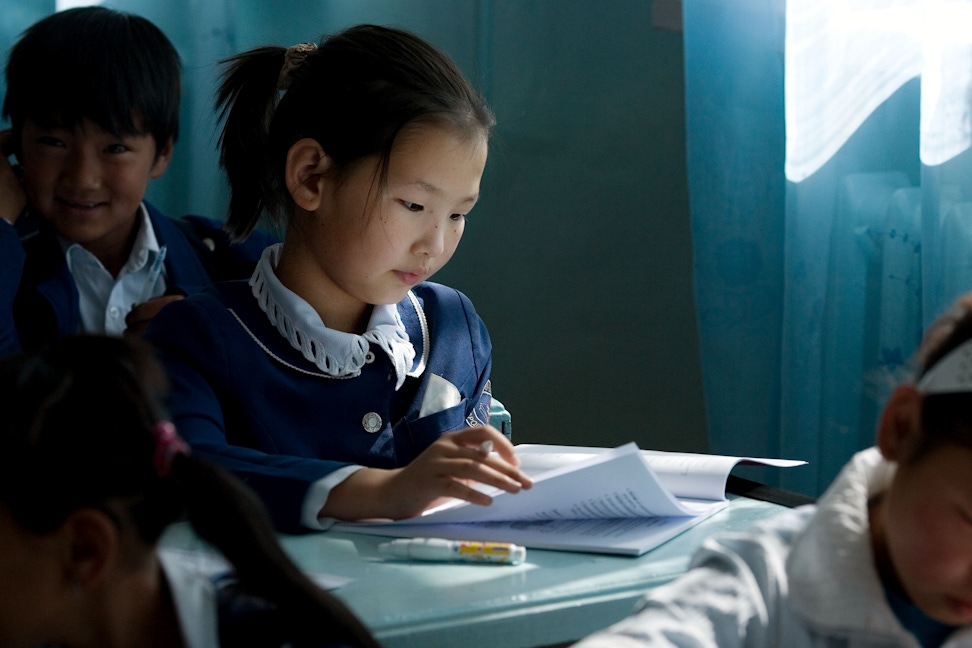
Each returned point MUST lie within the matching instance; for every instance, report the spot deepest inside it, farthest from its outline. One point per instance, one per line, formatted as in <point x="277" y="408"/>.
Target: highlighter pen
<point x="438" y="549"/>
<point x="153" y="274"/>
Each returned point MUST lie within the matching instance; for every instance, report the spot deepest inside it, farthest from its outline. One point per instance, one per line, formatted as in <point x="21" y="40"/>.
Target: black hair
<point x="77" y="432"/>
<point x="945" y="417"/>
<point x="354" y="94"/>
<point x="116" y="69"/>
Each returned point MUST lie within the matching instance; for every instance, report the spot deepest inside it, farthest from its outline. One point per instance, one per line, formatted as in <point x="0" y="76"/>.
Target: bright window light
<point x="61" y="5"/>
<point x="844" y="58"/>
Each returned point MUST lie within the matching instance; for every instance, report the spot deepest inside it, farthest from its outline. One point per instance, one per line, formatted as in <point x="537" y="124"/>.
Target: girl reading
<point x="338" y="381"/>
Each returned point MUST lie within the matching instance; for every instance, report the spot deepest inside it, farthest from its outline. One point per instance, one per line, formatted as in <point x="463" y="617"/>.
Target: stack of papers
<point x="605" y="500"/>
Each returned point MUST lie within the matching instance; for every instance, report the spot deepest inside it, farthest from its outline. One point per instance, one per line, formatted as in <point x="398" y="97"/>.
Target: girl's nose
<point x="432" y="242"/>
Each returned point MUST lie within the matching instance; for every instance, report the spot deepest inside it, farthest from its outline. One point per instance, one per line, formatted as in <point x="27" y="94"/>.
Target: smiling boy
<point x="93" y="100"/>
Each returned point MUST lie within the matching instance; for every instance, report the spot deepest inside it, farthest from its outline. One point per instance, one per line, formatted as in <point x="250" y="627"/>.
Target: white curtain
<point x="831" y="194"/>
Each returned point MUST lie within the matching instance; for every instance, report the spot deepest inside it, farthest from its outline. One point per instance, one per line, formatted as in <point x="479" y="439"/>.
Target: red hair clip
<point x="168" y="444"/>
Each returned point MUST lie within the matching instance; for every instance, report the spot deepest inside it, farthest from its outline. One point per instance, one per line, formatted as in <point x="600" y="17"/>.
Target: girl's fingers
<point x="459" y="490"/>
<point x="511" y="472"/>
<point x="489" y="470"/>
<point x="502" y="458"/>
<point x="483" y="437"/>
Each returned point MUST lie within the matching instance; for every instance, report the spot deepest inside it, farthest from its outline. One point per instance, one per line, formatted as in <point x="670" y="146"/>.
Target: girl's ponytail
<point x="353" y="93"/>
<point x="231" y="518"/>
<point x="84" y="427"/>
<point x="245" y="101"/>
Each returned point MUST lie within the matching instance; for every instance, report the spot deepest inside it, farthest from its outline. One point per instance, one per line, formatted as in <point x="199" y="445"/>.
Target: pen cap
<point x="517" y="554"/>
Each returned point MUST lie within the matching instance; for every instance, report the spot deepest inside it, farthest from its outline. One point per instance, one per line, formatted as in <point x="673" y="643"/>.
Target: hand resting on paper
<point x="445" y="470"/>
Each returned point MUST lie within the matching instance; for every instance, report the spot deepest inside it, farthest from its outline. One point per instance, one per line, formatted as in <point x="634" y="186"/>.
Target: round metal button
<point x="371" y="422"/>
<point x="369" y="357"/>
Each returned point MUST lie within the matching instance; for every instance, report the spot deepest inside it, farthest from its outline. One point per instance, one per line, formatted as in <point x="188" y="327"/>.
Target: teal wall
<point x="578" y="256"/>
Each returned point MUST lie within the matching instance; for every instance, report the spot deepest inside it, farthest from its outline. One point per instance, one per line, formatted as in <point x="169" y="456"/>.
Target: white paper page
<point x="629" y="537"/>
<point x="616" y="483"/>
<point x="685" y="474"/>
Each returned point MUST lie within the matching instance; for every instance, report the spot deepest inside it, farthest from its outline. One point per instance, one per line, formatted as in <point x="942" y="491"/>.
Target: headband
<point x="952" y="374"/>
<point x="292" y="59"/>
<point x="168" y="444"/>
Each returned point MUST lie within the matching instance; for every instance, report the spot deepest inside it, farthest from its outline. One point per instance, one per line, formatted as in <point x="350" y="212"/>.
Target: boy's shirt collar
<point x="104" y="300"/>
<point x="145" y="242"/>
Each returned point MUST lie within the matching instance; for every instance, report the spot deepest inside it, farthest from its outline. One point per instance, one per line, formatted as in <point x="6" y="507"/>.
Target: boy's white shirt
<point x="106" y="300"/>
<point x="803" y="580"/>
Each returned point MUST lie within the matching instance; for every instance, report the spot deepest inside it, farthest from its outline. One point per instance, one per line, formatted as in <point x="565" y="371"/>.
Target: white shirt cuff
<point x="317" y="496"/>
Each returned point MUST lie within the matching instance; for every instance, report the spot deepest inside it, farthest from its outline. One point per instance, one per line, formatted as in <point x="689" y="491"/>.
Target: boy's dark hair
<point x="354" y="94"/>
<point x="946" y="418"/>
<point x="116" y="69"/>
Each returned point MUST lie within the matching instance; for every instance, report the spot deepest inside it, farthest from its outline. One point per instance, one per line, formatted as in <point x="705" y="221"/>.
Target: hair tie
<point x="292" y="60"/>
<point x="168" y="444"/>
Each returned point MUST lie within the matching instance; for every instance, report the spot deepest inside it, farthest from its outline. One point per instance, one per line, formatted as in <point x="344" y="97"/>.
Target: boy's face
<point x="89" y="183"/>
<point x="926" y="530"/>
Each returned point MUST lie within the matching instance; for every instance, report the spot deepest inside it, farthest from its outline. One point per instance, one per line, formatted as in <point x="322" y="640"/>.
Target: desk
<point x="551" y="598"/>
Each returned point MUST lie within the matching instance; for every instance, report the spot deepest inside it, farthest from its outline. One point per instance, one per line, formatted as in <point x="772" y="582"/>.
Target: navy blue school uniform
<point x="245" y="398"/>
<point x="39" y="297"/>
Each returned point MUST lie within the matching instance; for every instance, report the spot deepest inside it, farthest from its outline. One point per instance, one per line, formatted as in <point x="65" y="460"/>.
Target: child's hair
<point x="353" y="93"/>
<point x="116" y="69"/>
<point x="946" y="417"/>
<point x="79" y="430"/>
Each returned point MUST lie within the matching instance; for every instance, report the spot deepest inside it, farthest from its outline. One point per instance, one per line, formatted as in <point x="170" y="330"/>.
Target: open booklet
<point x="603" y="500"/>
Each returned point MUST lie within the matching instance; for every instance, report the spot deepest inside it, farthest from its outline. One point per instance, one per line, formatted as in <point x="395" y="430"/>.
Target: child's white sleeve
<point x="734" y="595"/>
<point x="705" y="608"/>
<point x="317" y="495"/>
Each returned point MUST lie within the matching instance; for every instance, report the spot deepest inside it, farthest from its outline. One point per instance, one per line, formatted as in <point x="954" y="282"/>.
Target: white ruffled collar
<point x="336" y="353"/>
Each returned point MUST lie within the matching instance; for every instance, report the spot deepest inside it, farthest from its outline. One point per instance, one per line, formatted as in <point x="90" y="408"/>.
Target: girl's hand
<point x="13" y="200"/>
<point x="445" y="470"/>
<point x="141" y="315"/>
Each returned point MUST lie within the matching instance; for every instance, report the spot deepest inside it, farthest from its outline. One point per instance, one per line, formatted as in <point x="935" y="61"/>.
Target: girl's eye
<point x="458" y="217"/>
<point x="116" y="148"/>
<point x="410" y="206"/>
<point x="47" y="140"/>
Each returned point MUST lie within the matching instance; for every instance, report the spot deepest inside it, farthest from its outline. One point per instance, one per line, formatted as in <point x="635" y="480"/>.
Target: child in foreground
<point x="91" y="474"/>
<point x="93" y="100"/>
<point x="883" y="559"/>
<point x="339" y="382"/>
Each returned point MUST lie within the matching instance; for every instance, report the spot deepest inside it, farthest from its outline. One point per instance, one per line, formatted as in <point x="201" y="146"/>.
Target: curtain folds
<point x="831" y="196"/>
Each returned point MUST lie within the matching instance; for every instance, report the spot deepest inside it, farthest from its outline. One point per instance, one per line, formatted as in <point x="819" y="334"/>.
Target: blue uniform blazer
<point x="243" y="397"/>
<point x="39" y="300"/>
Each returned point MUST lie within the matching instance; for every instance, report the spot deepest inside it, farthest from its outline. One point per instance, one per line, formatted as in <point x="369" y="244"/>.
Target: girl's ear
<point x="91" y="546"/>
<point x="306" y="165"/>
<point x="899" y="430"/>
